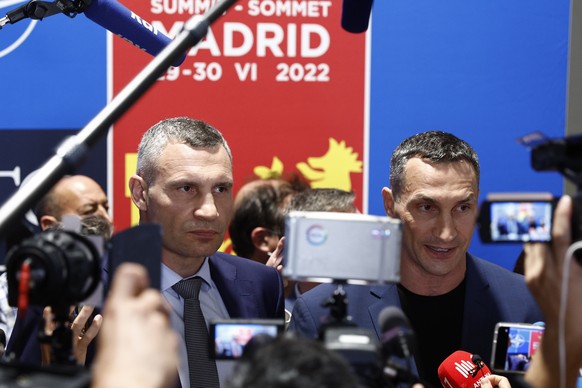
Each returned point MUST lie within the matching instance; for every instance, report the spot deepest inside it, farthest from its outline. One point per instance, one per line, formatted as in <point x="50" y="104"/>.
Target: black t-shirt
<point x="437" y="322"/>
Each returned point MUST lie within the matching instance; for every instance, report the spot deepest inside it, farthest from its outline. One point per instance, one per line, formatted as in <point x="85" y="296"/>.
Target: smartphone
<point x="140" y="244"/>
<point x="230" y="337"/>
<point x="514" y="344"/>
<point x="516" y="218"/>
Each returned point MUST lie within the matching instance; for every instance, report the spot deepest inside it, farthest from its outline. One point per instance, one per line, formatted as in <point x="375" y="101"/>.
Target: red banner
<point x="279" y="78"/>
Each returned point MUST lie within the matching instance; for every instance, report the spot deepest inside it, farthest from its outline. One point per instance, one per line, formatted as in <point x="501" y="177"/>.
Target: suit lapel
<point x="386" y="297"/>
<point x="477" y="311"/>
<point x="237" y="294"/>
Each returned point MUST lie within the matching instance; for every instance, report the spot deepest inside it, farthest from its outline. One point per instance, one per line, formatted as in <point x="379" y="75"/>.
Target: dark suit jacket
<point x="492" y="294"/>
<point x="248" y="289"/>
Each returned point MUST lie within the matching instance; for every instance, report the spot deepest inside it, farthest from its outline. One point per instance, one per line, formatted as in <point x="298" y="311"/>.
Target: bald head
<point x="72" y="195"/>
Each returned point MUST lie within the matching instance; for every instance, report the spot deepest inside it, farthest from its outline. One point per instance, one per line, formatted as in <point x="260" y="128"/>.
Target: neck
<point x="416" y="280"/>
<point x="183" y="266"/>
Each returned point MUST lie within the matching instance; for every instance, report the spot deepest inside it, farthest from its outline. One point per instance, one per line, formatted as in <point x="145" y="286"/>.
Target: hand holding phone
<point x="514" y="344"/>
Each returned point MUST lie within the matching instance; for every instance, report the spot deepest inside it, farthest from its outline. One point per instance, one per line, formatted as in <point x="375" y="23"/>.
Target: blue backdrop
<point x="56" y="78"/>
<point x="487" y="71"/>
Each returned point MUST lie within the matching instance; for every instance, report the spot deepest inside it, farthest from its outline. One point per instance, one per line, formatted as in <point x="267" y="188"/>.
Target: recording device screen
<point x="230" y="337"/>
<point x="516" y="221"/>
<point x="514" y="345"/>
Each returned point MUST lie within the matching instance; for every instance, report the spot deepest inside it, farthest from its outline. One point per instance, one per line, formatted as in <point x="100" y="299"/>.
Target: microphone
<point x="462" y="370"/>
<point x="398" y="341"/>
<point x="356" y="15"/>
<point x="398" y="338"/>
<point x="115" y="17"/>
<point x="109" y="14"/>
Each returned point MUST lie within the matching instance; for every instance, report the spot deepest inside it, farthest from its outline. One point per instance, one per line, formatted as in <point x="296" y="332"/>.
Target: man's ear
<point x="262" y="238"/>
<point x="138" y="189"/>
<point x="46" y="221"/>
<point x="388" y="199"/>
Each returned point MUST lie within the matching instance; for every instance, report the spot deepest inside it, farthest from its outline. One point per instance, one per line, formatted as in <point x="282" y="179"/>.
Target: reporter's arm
<point x="544" y="264"/>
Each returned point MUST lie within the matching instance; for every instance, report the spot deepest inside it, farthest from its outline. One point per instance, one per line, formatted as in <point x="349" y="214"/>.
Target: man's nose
<point x="207" y="208"/>
<point x="446" y="229"/>
<point x="102" y="212"/>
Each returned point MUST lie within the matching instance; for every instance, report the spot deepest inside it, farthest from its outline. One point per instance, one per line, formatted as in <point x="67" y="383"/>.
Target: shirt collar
<point x="169" y="277"/>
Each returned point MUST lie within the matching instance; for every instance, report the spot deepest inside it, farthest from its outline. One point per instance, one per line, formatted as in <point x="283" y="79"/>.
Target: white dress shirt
<point x="212" y="307"/>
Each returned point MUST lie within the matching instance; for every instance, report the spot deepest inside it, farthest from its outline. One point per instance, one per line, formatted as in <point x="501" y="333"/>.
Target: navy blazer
<point x="248" y="289"/>
<point x="492" y="294"/>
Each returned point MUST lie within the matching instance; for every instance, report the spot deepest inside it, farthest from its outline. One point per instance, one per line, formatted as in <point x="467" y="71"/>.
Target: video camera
<point x="54" y="267"/>
<point x="563" y="155"/>
<point x="319" y="247"/>
<point x="70" y="265"/>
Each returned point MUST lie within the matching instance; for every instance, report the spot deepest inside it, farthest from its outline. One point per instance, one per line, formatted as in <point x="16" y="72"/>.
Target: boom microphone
<point x="462" y="370"/>
<point x="109" y="14"/>
<point x="356" y="15"/>
<point x="115" y="17"/>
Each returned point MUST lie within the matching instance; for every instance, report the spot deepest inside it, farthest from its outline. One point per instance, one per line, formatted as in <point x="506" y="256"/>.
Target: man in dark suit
<point x="452" y="299"/>
<point x="184" y="183"/>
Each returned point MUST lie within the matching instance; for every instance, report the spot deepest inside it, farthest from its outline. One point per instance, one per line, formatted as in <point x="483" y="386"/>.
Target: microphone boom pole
<point x="38" y="10"/>
<point x="75" y="148"/>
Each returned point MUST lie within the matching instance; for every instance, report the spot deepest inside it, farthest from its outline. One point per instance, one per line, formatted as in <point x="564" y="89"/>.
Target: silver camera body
<point x="353" y="248"/>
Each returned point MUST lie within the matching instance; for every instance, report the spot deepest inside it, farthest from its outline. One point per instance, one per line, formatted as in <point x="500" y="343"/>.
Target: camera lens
<point x="65" y="268"/>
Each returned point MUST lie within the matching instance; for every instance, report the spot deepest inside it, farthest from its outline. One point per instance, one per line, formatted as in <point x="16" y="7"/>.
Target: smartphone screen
<point x="514" y="345"/>
<point x="516" y="221"/>
<point x="230" y="337"/>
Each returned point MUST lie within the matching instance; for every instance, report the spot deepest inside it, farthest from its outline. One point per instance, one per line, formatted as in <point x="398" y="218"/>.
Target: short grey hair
<point x="434" y="147"/>
<point x="183" y="130"/>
